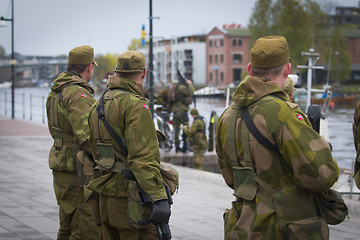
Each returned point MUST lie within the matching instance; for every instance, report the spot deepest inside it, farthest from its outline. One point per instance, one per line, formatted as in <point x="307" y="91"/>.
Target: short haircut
<point x="79" y="68"/>
<point x="271" y="72"/>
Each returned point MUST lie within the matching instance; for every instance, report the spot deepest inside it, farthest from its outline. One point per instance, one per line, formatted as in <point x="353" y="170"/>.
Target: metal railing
<point x="27" y="106"/>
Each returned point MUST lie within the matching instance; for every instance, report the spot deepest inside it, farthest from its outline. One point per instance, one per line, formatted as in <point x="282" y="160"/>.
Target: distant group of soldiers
<point x="106" y="154"/>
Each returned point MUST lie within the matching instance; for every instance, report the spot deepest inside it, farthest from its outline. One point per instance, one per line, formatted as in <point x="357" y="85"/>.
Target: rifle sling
<point x="101" y="115"/>
<point x="255" y="132"/>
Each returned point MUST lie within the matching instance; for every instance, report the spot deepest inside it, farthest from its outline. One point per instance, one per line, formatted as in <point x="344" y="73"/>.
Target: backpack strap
<point x="101" y="115"/>
<point x="247" y="153"/>
<point x="255" y="132"/>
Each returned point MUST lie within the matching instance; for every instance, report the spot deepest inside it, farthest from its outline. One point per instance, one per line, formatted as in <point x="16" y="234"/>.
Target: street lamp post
<point x="12" y="61"/>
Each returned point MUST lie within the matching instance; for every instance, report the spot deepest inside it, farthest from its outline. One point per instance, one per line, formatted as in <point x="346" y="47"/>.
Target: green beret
<point x="269" y="52"/>
<point x="82" y="55"/>
<point x="194" y="111"/>
<point x="131" y="62"/>
<point x="289" y="87"/>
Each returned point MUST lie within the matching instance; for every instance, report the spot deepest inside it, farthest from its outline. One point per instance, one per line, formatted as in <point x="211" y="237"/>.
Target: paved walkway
<point x="28" y="208"/>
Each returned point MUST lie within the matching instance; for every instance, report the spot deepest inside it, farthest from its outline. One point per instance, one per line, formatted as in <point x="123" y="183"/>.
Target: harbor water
<point x="30" y="106"/>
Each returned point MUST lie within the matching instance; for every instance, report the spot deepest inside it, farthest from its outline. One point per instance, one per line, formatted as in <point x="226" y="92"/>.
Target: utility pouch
<point x="136" y="211"/>
<point x="106" y="155"/>
<point x="245" y="185"/>
<point x="58" y="137"/>
<point x="332" y="207"/>
<point x="84" y="167"/>
<point x="292" y="204"/>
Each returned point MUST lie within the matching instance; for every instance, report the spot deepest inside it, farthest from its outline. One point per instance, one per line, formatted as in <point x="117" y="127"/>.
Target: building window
<point x="237" y="58"/>
<point x="210" y="58"/>
<point x="234" y="42"/>
<point x="222" y="42"/>
<point x="222" y="58"/>
<point x="216" y="58"/>
<point x="237" y="75"/>
<point x="222" y="76"/>
<point x="210" y="43"/>
<point x="210" y="77"/>
<point x="240" y="42"/>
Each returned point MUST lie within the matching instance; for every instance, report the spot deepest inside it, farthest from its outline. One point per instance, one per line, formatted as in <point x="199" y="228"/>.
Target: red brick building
<point x="227" y="57"/>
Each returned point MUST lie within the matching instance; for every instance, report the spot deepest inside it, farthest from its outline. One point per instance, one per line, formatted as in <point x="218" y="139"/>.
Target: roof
<point x="237" y="32"/>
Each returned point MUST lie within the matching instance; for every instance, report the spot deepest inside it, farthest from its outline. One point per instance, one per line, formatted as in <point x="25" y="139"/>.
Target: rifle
<point x="163" y="229"/>
<point x="183" y="81"/>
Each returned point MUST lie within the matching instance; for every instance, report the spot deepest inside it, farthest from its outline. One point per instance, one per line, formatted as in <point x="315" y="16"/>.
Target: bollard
<point x="23" y="105"/>
<point x="5" y="102"/>
<point x="30" y="107"/>
<point x="43" y="109"/>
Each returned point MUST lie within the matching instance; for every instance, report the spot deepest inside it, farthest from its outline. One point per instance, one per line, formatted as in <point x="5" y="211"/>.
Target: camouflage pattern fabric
<point x="129" y="115"/>
<point x="196" y="134"/>
<point x="180" y="107"/>
<point x="198" y="158"/>
<point x="119" y="228"/>
<point x="73" y="112"/>
<point x="356" y="134"/>
<point x="305" y="164"/>
<point x="198" y="142"/>
<point x="76" y="221"/>
<point x="68" y="126"/>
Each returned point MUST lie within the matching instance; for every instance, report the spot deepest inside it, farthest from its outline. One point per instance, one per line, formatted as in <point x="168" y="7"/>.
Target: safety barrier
<point x="27" y="106"/>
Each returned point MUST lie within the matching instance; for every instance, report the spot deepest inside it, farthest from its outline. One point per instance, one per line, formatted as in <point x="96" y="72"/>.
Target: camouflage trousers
<point x="198" y="158"/>
<point x="76" y="221"/>
<point x="115" y="224"/>
<point x="179" y="118"/>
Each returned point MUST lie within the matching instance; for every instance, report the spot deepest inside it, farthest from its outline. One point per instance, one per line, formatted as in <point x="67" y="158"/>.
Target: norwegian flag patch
<point x="300" y="117"/>
<point x="145" y="106"/>
<point x="83" y="95"/>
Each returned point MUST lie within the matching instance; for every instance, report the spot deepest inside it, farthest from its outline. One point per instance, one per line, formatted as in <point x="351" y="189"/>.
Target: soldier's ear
<point x="249" y="69"/>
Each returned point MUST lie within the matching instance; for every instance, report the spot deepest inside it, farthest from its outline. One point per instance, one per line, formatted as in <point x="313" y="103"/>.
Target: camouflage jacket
<point x="196" y="133"/>
<point x="129" y="115"/>
<point x="356" y="134"/>
<point x="181" y="100"/>
<point x="304" y="165"/>
<point x="68" y="106"/>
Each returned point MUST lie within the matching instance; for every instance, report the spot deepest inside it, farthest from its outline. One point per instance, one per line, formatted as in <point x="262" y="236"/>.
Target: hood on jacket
<point x="126" y="84"/>
<point x="67" y="78"/>
<point x="252" y="89"/>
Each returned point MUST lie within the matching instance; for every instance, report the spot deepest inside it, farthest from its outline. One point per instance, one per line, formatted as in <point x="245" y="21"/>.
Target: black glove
<point x="161" y="211"/>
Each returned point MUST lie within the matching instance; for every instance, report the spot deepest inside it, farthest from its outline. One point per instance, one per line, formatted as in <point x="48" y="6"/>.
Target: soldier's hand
<point x="161" y="211"/>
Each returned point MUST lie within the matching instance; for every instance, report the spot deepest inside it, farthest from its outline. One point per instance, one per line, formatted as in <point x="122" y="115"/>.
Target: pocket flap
<point x="245" y="185"/>
<point x="106" y="155"/>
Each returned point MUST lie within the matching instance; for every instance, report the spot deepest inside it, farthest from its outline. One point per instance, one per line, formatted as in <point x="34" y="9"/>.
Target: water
<point x="340" y="118"/>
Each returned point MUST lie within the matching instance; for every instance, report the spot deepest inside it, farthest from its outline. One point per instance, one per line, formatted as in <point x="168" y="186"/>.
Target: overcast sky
<point x="52" y="27"/>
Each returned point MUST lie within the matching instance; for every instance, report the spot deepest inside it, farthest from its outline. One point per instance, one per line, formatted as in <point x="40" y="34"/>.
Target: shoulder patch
<point x="300" y="117"/>
<point x="83" y="95"/>
<point x="145" y="106"/>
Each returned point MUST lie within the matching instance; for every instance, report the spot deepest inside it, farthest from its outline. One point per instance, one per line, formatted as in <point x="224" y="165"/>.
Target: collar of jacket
<point x="68" y="78"/>
<point x="252" y="89"/>
<point x="126" y="84"/>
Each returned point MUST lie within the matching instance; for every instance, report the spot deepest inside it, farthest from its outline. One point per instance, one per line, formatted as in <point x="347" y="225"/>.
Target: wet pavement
<point x="28" y="208"/>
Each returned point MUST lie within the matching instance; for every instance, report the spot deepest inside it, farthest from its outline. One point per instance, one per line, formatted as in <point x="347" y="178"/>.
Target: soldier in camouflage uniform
<point x="197" y="138"/>
<point x="179" y="98"/>
<point x="356" y="133"/>
<point x="127" y="112"/>
<point x="274" y="188"/>
<point x="68" y="106"/>
<point x="289" y="89"/>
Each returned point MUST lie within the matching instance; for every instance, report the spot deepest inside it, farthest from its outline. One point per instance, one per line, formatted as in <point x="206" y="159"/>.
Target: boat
<point x="5" y="85"/>
<point x="336" y="98"/>
<point x="209" y="92"/>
